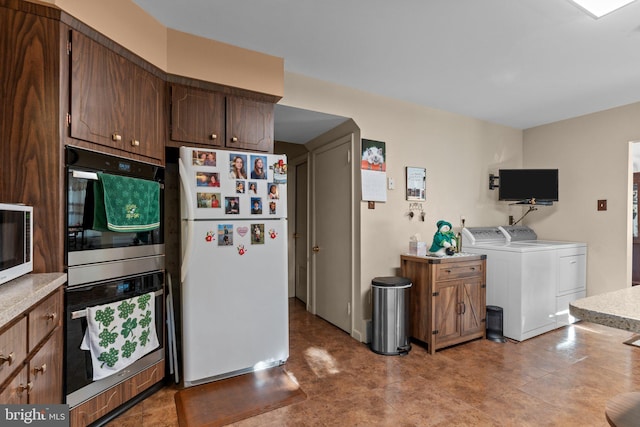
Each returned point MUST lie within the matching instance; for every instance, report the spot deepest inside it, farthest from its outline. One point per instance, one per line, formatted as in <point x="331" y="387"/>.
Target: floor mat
<point x="635" y="341"/>
<point x="227" y="401"/>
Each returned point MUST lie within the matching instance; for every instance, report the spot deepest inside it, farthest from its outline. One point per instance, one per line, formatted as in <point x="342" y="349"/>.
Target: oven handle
<point x="85" y="175"/>
<point x="83" y="313"/>
<point x="190" y="215"/>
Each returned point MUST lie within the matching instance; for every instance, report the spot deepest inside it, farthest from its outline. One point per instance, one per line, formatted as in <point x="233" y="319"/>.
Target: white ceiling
<point x="519" y="63"/>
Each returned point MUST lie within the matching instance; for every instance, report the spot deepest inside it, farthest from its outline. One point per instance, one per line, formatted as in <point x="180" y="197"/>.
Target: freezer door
<point x="218" y="184"/>
<point x="234" y="299"/>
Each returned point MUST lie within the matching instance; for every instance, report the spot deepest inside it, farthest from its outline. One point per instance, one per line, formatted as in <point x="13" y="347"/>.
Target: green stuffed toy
<point x="444" y="241"/>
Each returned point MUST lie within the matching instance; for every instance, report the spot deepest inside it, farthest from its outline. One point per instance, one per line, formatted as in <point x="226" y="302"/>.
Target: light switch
<point x="391" y="184"/>
<point x="602" y="205"/>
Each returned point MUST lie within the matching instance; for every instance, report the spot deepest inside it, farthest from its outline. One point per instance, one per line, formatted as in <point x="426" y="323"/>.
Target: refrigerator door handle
<point x="188" y="201"/>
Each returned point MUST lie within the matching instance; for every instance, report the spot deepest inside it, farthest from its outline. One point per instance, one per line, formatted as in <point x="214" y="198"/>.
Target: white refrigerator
<point x="234" y="263"/>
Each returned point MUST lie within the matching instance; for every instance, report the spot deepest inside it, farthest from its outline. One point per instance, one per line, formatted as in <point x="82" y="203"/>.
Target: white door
<point x="332" y="232"/>
<point x="300" y="233"/>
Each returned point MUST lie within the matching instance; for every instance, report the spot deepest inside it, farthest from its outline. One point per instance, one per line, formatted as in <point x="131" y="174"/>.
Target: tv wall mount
<point x="492" y="181"/>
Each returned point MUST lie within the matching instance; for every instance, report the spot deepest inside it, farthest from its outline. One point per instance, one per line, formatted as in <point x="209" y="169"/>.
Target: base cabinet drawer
<point x="99" y="406"/>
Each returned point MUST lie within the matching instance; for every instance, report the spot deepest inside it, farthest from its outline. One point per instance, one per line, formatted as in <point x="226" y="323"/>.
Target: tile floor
<point x="562" y="378"/>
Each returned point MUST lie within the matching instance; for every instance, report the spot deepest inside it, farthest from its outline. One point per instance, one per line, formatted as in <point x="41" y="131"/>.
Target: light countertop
<point x="617" y="309"/>
<point x="19" y="294"/>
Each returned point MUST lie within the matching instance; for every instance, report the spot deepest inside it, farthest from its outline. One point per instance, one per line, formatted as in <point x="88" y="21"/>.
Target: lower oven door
<point x="79" y="383"/>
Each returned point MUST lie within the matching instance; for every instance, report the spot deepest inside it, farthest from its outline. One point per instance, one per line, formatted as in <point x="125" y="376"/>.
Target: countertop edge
<point x="617" y="309"/>
<point x="18" y="295"/>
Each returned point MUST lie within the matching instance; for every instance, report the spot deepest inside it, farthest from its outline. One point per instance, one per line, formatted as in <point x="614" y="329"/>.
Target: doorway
<point x="635" y="233"/>
<point x="295" y="125"/>
<point x="300" y="234"/>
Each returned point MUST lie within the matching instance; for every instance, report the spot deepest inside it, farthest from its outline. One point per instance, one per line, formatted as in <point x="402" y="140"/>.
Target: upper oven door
<point x="86" y="245"/>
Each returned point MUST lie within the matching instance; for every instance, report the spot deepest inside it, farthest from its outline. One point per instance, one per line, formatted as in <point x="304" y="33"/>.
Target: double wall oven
<point x="105" y="267"/>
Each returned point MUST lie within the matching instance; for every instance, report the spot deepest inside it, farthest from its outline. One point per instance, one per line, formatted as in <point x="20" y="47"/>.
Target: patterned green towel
<point x="126" y="204"/>
<point x="120" y="333"/>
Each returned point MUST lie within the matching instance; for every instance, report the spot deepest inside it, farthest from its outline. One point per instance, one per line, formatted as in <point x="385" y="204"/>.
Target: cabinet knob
<point x="213" y="136"/>
<point x="6" y="359"/>
<point x="42" y="369"/>
<point x="28" y="387"/>
<point x="50" y="316"/>
<point x="116" y="137"/>
<point x="234" y="139"/>
<point x="316" y="248"/>
<point x="135" y="143"/>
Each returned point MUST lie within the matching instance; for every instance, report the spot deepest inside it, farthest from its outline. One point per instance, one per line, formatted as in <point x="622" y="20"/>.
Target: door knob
<point x="316" y="248"/>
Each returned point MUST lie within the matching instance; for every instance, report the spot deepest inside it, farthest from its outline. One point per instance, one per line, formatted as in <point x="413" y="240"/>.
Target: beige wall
<point x="458" y="152"/>
<point x="592" y="154"/>
<point x="176" y="52"/>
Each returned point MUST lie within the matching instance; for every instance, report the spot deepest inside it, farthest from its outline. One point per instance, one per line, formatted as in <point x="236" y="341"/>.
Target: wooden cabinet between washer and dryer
<point x="447" y="299"/>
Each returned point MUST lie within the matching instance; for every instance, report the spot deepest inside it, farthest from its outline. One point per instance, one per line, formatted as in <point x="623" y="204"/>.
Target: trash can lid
<point x="391" y="281"/>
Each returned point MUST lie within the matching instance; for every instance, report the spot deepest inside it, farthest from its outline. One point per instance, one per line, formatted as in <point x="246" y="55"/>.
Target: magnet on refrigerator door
<point x="225" y="235"/>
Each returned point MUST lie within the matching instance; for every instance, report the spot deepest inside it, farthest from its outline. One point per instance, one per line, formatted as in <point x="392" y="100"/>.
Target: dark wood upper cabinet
<point x="114" y="102"/>
<point x="206" y="117"/>
<point x="197" y="116"/>
<point x="249" y="124"/>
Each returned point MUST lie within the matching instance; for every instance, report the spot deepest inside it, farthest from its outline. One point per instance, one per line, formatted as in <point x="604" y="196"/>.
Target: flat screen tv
<point x="526" y="184"/>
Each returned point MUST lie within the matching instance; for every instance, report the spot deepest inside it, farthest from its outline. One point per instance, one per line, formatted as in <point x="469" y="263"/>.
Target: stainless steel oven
<point x="90" y="253"/>
<point x="79" y="383"/>
<point x="104" y="267"/>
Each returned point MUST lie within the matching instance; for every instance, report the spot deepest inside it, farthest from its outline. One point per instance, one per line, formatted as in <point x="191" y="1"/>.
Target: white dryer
<point x="532" y="280"/>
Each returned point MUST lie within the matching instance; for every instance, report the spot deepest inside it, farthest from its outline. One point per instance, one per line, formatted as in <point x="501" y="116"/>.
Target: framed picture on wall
<point x="416" y="184"/>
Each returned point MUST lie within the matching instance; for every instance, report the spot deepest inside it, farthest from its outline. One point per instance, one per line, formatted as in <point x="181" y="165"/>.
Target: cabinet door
<point x="446" y="313"/>
<point x="473" y="308"/>
<point x="249" y="124"/>
<point x="44" y="318"/>
<point x="100" y="95"/>
<point x="45" y="372"/>
<point x="16" y="392"/>
<point x="13" y="348"/>
<point x="197" y="116"/>
<point x="146" y="136"/>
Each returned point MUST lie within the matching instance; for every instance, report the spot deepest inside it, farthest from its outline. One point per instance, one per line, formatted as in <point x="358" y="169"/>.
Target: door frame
<point x="293" y="164"/>
<point x="358" y="299"/>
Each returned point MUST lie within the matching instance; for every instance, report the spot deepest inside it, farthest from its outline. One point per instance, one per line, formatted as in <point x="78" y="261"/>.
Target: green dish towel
<point x="125" y="204"/>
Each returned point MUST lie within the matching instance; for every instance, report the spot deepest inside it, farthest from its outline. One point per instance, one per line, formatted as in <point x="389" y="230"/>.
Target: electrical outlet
<point x="463" y="219"/>
<point x="602" y="205"/>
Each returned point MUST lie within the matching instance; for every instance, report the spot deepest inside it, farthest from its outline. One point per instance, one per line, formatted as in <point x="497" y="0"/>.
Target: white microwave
<point x="16" y="241"/>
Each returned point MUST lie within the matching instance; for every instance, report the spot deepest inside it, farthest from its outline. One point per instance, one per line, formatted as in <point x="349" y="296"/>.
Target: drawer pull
<point x="447" y="271"/>
<point x="116" y="137"/>
<point x="28" y="388"/>
<point x="135" y="143"/>
<point x="472" y="268"/>
<point x="6" y="359"/>
<point x="42" y="369"/>
<point x="50" y="316"/>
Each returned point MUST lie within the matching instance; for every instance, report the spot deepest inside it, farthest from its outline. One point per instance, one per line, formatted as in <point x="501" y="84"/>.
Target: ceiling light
<point x="599" y="8"/>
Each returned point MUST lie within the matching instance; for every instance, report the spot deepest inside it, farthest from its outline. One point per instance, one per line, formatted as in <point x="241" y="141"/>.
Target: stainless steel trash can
<point x="390" y="317"/>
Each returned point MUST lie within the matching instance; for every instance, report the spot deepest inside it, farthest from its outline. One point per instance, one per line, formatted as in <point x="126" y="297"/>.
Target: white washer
<point x="532" y="280"/>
